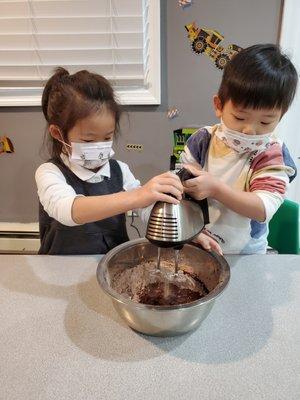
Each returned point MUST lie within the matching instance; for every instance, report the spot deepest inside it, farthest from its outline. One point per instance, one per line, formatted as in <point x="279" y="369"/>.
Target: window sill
<point x="31" y="96"/>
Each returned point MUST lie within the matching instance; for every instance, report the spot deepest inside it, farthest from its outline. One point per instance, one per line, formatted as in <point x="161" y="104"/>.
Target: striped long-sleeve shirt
<point x="266" y="173"/>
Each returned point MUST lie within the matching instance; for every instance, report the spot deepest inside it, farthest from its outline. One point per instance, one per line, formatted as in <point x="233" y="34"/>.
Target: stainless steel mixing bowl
<point x="211" y="268"/>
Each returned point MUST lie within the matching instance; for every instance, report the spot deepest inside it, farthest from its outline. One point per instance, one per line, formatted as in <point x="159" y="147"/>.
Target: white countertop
<point x="62" y="339"/>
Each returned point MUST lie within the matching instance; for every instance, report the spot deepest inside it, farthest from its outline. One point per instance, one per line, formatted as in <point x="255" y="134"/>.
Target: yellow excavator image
<point x="208" y="41"/>
<point x="6" y="145"/>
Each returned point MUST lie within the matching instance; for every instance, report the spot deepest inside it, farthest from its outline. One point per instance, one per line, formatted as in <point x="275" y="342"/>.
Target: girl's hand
<point x="159" y="188"/>
<point x="208" y="243"/>
<point x="202" y="186"/>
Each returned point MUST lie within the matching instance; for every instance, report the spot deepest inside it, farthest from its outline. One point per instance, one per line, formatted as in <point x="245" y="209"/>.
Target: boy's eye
<point x="265" y="123"/>
<point x="239" y="119"/>
<point x="87" y="141"/>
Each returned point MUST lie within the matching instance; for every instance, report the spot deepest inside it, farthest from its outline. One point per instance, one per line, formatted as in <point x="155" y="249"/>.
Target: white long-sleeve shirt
<point x="57" y="196"/>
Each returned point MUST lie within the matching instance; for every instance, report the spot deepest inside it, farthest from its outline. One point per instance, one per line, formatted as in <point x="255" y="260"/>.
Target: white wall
<point x="289" y="129"/>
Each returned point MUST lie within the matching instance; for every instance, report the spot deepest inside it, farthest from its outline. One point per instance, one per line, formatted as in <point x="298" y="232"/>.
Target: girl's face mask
<point x="90" y="155"/>
<point x="242" y="142"/>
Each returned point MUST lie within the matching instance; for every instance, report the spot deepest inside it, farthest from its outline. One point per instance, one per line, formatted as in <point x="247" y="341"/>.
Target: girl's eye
<point x="265" y="123"/>
<point x="87" y="141"/>
<point x="239" y="119"/>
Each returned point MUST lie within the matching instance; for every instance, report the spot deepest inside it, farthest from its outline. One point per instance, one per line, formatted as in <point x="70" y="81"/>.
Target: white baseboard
<point x="19" y="227"/>
<point x="19" y="245"/>
<point x="19" y="238"/>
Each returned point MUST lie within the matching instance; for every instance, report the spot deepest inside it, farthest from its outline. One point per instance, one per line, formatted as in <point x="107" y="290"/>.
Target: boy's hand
<point x="208" y="243"/>
<point x="159" y="188"/>
<point x="202" y="186"/>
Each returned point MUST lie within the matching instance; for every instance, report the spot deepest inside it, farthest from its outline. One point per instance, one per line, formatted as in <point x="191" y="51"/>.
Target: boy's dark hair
<point x="69" y="98"/>
<point x="259" y="76"/>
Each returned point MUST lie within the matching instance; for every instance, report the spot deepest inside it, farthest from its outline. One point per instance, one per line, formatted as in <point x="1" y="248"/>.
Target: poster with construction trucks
<point x="207" y="41"/>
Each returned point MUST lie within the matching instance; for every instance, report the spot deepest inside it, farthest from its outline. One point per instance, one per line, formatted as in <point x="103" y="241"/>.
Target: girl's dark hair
<point x="259" y="76"/>
<point x="69" y="98"/>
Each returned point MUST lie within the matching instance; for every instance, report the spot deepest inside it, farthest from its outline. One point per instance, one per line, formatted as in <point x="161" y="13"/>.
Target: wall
<point x="290" y="42"/>
<point x="188" y="82"/>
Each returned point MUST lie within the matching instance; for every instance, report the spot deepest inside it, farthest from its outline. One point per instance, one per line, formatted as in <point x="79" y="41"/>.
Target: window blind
<point x="109" y="37"/>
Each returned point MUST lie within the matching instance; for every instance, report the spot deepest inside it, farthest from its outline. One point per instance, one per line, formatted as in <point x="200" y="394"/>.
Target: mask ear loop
<point x="66" y="145"/>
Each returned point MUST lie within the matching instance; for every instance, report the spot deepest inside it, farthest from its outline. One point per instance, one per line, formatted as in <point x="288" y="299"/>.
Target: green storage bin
<point x="284" y="229"/>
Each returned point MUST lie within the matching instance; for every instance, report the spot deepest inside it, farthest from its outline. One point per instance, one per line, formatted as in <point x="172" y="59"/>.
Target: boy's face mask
<point x="242" y="142"/>
<point x="90" y="155"/>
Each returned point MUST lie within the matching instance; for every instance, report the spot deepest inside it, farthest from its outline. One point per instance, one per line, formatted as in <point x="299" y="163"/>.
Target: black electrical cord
<point x="133" y="226"/>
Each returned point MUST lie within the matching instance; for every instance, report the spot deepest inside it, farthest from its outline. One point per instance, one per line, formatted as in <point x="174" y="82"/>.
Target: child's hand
<point x="202" y="186"/>
<point x="159" y="188"/>
<point x="208" y="243"/>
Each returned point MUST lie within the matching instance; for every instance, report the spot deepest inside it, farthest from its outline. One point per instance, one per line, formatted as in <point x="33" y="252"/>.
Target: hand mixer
<point x="173" y="225"/>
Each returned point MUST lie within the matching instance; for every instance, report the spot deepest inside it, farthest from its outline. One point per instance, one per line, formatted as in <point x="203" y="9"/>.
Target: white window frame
<point x="287" y="128"/>
<point x="31" y="96"/>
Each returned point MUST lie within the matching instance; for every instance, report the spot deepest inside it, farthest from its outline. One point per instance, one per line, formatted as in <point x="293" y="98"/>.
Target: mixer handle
<point x="185" y="175"/>
<point x="204" y="207"/>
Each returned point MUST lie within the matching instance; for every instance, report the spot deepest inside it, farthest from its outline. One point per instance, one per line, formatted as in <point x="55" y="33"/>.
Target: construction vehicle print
<point x="208" y="41"/>
<point x="180" y="137"/>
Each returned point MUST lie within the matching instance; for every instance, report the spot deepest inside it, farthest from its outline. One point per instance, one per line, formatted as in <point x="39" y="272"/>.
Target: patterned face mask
<point x="241" y="142"/>
<point x="90" y="155"/>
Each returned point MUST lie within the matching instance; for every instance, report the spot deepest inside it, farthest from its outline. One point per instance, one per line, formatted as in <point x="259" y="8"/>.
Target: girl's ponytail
<point x="58" y="78"/>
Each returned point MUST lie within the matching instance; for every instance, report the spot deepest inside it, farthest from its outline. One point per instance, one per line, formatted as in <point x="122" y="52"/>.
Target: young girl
<point x="83" y="192"/>
<point x="241" y="165"/>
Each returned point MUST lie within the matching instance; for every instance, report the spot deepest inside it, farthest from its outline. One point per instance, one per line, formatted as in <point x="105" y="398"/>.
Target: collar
<point x="83" y="173"/>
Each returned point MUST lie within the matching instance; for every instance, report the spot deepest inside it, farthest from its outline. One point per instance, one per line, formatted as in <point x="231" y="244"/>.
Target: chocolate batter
<point x="145" y="284"/>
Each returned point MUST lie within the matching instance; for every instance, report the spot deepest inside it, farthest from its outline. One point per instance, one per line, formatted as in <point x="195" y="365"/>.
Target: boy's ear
<point x="218" y="106"/>
<point x="55" y="132"/>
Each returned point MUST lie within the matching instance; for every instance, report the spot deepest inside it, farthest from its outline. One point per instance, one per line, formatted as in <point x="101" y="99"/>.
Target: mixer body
<point x="173" y="225"/>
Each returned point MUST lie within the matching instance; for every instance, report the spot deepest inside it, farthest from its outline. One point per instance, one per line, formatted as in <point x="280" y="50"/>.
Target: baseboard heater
<point x="19" y="238"/>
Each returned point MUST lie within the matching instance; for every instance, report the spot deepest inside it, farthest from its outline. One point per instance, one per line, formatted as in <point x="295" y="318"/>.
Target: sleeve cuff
<point x="65" y="211"/>
<point x="272" y="201"/>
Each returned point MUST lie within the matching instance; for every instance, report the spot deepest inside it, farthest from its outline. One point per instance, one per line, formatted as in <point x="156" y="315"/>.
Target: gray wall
<point x="188" y="82"/>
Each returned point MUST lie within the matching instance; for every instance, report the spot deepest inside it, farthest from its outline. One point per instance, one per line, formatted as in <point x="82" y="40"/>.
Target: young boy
<point x="240" y="164"/>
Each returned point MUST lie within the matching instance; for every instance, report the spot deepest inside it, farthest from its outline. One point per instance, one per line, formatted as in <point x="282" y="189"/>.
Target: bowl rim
<point x="213" y="294"/>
